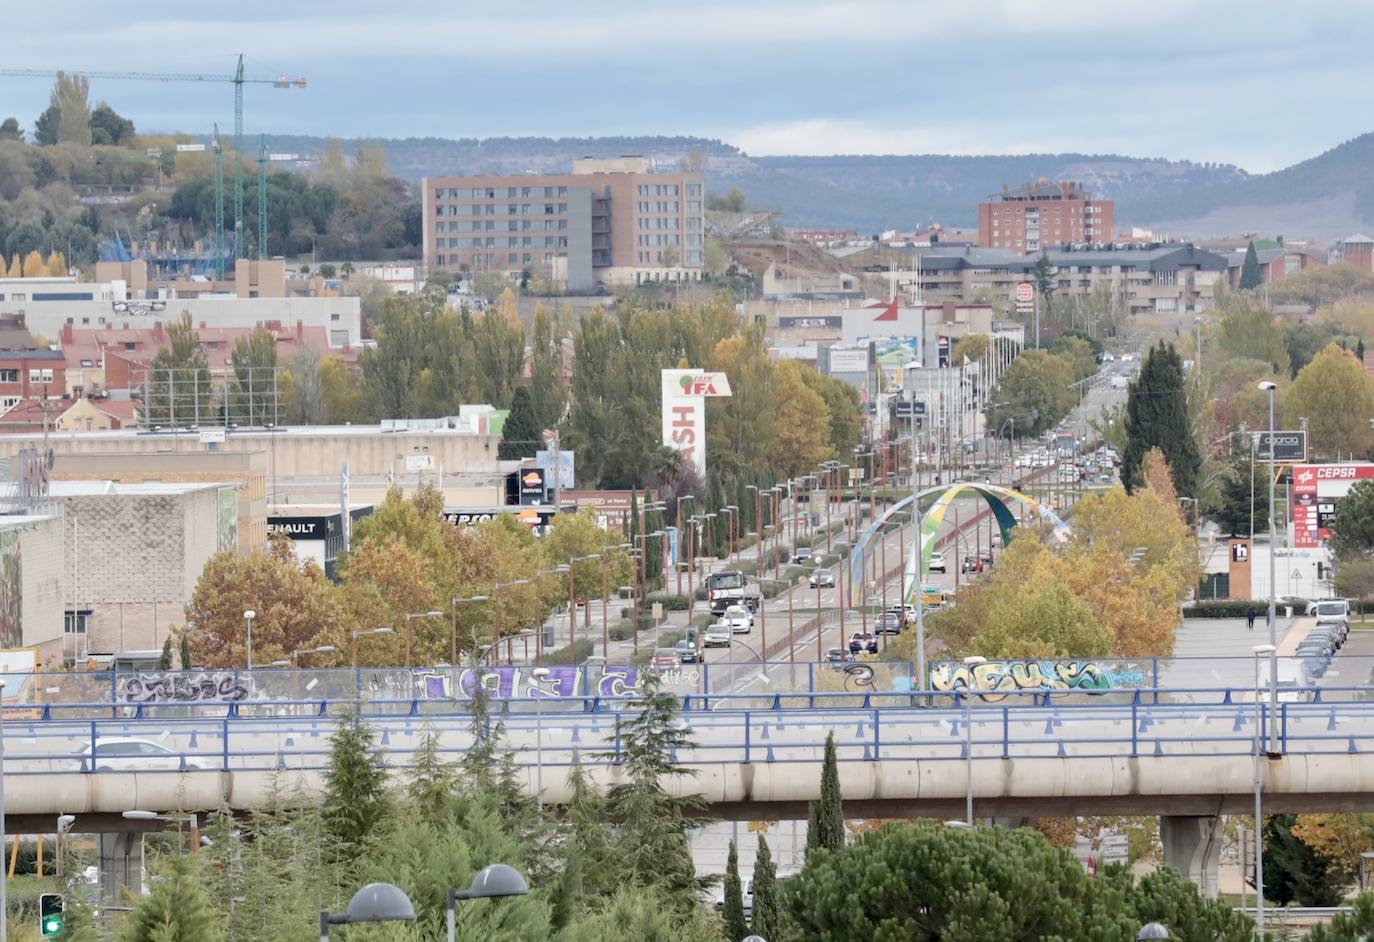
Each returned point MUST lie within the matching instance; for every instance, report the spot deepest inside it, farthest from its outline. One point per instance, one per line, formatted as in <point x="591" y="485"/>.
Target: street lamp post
<point x="248" y="617"/>
<point x="409" y="615"/>
<point x="376" y="902"/>
<point x="1260" y="650"/>
<point x="971" y="662"/>
<point x="383" y="630"/>
<point x="320" y="649"/>
<point x="493" y="881"/>
<point x="539" y="673"/>
<point x="495" y="628"/>
<point x="1270" y="387"/>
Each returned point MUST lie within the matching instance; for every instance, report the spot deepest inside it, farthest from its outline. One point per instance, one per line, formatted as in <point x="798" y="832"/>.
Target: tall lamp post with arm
<point x="383" y="630"/>
<point x="1260" y="651"/>
<point x="248" y="617"/>
<point x="1270" y="387"/>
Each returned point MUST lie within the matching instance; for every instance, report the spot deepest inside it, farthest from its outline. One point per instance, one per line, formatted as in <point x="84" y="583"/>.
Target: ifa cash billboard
<point x="684" y="411"/>
<point x="1316" y="490"/>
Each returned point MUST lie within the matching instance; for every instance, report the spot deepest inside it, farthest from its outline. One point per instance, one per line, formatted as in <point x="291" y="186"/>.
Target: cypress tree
<point x="733" y="911"/>
<point x="1250" y="269"/>
<point x="829" y="810"/>
<point x="176" y="909"/>
<point x="185" y="651"/>
<point x="766" y="918"/>
<point x="164" y="663"/>
<point x="521" y="435"/>
<point x="355" y="801"/>
<point x="1157" y="417"/>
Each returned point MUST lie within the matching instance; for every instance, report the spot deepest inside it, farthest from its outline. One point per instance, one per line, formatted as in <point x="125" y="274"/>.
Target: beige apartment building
<point x="609" y="222"/>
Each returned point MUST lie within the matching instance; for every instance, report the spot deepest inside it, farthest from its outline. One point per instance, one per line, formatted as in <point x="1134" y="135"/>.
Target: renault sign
<point x="1288" y="446"/>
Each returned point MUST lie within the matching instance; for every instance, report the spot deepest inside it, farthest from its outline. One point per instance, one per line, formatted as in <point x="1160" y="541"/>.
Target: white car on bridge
<point x="116" y="754"/>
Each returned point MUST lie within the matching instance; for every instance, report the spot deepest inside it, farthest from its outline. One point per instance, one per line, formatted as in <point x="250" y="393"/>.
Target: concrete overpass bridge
<point x="756" y="756"/>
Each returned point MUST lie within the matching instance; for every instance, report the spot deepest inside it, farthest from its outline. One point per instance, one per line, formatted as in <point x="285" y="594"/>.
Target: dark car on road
<point x="861" y="641"/>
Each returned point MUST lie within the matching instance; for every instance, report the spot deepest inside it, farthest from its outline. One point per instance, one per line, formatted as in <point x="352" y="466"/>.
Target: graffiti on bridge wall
<point x="176" y="687"/>
<point x="1069" y="676"/>
<point x="514" y="681"/>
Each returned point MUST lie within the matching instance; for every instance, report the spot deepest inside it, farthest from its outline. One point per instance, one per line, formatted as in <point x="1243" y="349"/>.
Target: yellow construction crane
<point x="238" y="79"/>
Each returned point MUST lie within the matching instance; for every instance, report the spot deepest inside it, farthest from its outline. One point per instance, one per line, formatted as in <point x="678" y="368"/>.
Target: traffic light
<point x="50" y="912"/>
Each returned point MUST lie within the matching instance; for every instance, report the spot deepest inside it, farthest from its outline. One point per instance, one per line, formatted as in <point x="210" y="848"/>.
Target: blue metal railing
<point x="575" y="730"/>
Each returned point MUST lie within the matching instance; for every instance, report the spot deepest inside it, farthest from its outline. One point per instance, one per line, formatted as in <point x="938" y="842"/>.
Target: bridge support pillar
<point x="1192" y="845"/>
<point x="120" y="864"/>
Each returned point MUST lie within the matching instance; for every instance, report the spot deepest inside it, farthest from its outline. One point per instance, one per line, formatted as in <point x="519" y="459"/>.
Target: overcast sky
<point x="1258" y="83"/>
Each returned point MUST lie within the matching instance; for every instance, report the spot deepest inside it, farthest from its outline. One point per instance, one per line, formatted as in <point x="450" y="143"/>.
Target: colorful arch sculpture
<point x="997" y="498"/>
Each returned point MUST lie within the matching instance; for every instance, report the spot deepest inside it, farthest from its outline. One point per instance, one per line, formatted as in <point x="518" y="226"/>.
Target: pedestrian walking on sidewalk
<point x="1250" y="615"/>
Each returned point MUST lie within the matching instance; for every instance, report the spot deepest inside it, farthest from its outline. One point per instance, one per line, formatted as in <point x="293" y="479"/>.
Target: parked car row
<point x="1326" y="638"/>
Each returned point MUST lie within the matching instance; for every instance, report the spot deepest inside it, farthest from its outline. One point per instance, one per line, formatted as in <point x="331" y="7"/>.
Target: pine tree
<point x="567" y="891"/>
<point x="733" y="912"/>
<point x="1157" y="417"/>
<point x="652" y="841"/>
<point x="522" y="434"/>
<point x="826" y="825"/>
<point x="587" y="831"/>
<point x="176" y="909"/>
<point x="1250" y="269"/>
<point x="432" y="781"/>
<point x="355" y="803"/>
<point x="766" y="918"/>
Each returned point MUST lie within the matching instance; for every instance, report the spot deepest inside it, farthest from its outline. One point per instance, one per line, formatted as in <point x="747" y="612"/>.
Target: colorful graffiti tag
<point x="514" y="681"/>
<point x="177" y="687"/>
<point x="1068" y="676"/>
<point x="11" y="591"/>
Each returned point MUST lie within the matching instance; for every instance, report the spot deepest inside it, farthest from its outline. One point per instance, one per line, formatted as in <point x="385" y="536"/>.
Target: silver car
<point x="115" y="754"/>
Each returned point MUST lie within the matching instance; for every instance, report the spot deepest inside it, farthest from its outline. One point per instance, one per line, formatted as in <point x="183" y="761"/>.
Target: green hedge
<point x="1228" y="608"/>
<point x="671" y="603"/>
<point x="581" y="650"/>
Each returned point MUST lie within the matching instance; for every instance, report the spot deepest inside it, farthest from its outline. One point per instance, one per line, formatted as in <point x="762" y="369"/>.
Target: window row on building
<point x="511" y="209"/>
<point x="510" y="242"/>
<point x="512" y="225"/>
<point x="497" y="192"/>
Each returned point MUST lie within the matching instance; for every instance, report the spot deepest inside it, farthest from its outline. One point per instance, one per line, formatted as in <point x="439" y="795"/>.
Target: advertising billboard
<point x="684" y="411"/>
<point x="531" y="485"/>
<point x="853" y="360"/>
<point x="1288" y="446"/>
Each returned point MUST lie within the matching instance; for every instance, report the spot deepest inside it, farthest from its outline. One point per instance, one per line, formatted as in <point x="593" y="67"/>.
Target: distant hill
<point x="1324" y="197"/>
<point x="873" y="193"/>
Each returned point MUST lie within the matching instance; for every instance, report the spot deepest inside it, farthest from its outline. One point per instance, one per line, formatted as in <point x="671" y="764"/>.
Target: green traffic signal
<point x="50" y="911"/>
